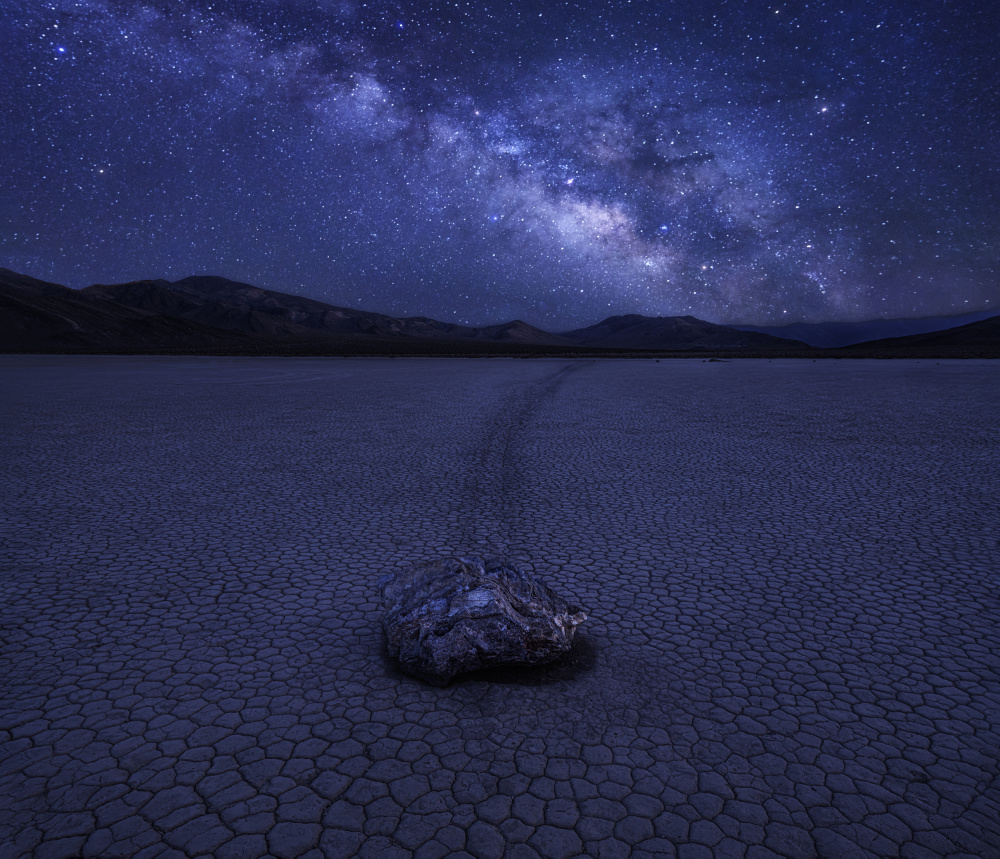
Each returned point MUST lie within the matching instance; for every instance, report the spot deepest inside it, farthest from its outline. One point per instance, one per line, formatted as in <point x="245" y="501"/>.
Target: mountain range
<point x="830" y="335"/>
<point x="234" y="306"/>
<point x="680" y="332"/>
<point x="214" y="314"/>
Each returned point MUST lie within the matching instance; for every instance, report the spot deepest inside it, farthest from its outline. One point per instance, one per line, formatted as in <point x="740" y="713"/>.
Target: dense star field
<point x="479" y="161"/>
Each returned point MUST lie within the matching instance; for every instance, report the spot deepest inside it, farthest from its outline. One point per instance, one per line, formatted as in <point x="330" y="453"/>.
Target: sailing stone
<point x="461" y="614"/>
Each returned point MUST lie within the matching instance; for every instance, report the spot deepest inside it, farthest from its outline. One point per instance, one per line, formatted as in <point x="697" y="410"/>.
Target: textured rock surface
<point x="793" y="648"/>
<point x="461" y="614"/>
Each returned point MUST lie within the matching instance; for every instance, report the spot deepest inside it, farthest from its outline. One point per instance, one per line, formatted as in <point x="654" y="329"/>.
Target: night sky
<point x="557" y="162"/>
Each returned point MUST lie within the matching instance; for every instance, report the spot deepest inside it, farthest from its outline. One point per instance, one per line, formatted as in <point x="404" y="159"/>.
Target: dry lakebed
<point x="790" y="569"/>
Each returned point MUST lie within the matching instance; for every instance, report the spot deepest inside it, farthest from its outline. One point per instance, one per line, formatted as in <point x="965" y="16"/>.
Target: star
<point x="596" y="159"/>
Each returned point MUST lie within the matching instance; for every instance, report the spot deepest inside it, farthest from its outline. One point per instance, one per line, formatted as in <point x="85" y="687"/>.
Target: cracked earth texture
<point x="791" y="569"/>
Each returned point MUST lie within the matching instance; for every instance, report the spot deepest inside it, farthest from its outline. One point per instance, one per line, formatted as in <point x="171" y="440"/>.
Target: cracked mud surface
<point x="791" y="570"/>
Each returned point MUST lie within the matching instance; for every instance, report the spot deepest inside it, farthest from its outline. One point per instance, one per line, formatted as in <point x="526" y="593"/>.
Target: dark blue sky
<point x="480" y="161"/>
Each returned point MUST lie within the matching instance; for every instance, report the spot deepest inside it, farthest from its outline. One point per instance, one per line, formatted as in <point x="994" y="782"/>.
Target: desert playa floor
<point x="791" y="569"/>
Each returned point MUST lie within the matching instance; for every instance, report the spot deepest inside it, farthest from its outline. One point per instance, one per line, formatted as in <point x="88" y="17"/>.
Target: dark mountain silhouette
<point x="256" y="309"/>
<point x="235" y="306"/>
<point x="217" y="315"/>
<point x="31" y="284"/>
<point x="235" y="314"/>
<point x="826" y="335"/>
<point x="985" y="332"/>
<point x="673" y="332"/>
<point x="35" y="315"/>
<point x="519" y="332"/>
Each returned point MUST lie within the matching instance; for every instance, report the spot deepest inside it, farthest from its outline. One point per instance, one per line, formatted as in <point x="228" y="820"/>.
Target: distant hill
<point x="35" y="315"/>
<point x="673" y="332"/>
<point x="518" y="332"/>
<point x="14" y="280"/>
<point x="234" y="306"/>
<point x="827" y="335"/>
<point x="239" y="307"/>
<point x="220" y="316"/>
<point x="985" y="332"/>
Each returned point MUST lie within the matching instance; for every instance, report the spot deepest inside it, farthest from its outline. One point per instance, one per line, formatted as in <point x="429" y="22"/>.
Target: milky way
<point x="481" y="161"/>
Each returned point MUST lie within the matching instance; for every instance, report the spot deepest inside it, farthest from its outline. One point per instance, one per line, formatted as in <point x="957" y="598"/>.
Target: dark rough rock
<point x="456" y="615"/>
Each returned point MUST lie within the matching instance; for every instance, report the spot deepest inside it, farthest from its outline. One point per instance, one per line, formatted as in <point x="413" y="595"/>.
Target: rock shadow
<point x="577" y="662"/>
